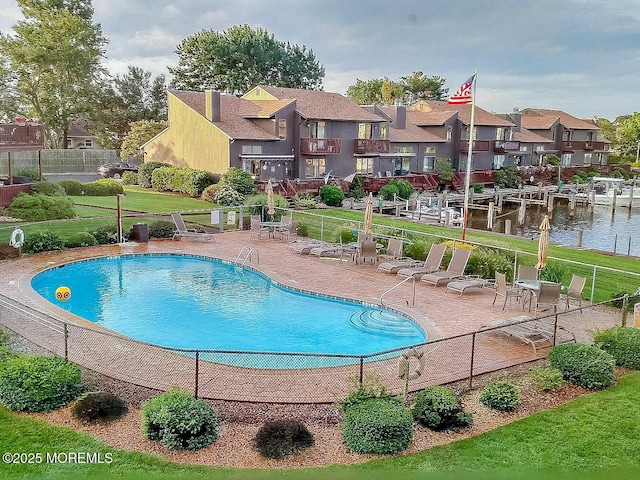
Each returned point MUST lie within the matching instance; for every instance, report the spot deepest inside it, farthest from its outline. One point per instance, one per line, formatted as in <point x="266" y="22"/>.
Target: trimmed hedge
<point x="623" y="343"/>
<point x="502" y="395"/>
<point x="584" y="365"/>
<point x="331" y="195"/>
<point x="438" y="409"/>
<point x="37" y="207"/>
<point x="106" y="234"/>
<point x="182" y="180"/>
<point x="179" y="421"/>
<point x="280" y="438"/>
<point x="37" y="242"/>
<point x="98" y="407"/>
<point x="378" y="425"/>
<point x="81" y="239"/>
<point x="48" y="188"/>
<point x="72" y="187"/>
<point x="161" y="229"/>
<point x="103" y="188"/>
<point x="145" y="172"/>
<point x="38" y="384"/>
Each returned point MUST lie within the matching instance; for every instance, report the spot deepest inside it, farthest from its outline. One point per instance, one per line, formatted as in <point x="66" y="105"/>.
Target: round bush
<point x="179" y="421"/>
<point x="106" y="234"/>
<point x="72" y="187"/>
<point x="48" y="188"/>
<point x="161" y="229"/>
<point x="37" y="242"/>
<point x="81" y="239"/>
<point x="389" y="191"/>
<point x="623" y="343"/>
<point x="331" y="195"/>
<point x="281" y="438"/>
<point x="145" y="173"/>
<point x="37" y="207"/>
<point x="502" y="395"/>
<point x="377" y="425"/>
<point x="403" y="187"/>
<point x="584" y="365"/>
<point x="438" y="408"/>
<point x="103" y="188"/>
<point x="38" y="384"/>
<point x="129" y="178"/>
<point x="548" y="378"/>
<point x="98" y="407"/>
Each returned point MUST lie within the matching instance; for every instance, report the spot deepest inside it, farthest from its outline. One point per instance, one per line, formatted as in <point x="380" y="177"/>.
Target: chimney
<point x="401" y="117"/>
<point x="212" y="105"/>
<point x="516" y="117"/>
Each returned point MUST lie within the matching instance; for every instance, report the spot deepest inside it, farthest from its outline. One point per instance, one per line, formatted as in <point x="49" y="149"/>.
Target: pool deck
<point x="441" y="314"/>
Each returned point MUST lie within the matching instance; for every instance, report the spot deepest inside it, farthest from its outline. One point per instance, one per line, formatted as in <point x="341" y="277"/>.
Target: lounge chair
<point x="454" y="271"/>
<point x="182" y="231"/>
<point x="430" y="265"/>
<point x="394" y="265"/>
<point x="466" y="283"/>
<point x="531" y="331"/>
<point x="367" y="252"/>
<point x="304" y="246"/>
<point x="393" y="252"/>
<point x="332" y="250"/>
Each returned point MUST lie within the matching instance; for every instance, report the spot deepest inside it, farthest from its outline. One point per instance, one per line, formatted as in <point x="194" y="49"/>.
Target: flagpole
<point x="467" y="178"/>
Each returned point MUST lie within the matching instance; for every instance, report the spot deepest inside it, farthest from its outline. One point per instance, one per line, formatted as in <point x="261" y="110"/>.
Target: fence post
<point x="625" y="306"/>
<point x="361" y="370"/>
<point x="593" y="283"/>
<point x="473" y="351"/>
<point x="197" y="368"/>
<point x="322" y="228"/>
<point x="66" y="342"/>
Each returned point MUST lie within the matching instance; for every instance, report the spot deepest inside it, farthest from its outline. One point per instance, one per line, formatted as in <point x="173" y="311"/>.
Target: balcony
<point x="502" y="146"/>
<point x="320" y="146"/>
<point x="478" y="145"/>
<point x="15" y="137"/>
<point x="367" y="145"/>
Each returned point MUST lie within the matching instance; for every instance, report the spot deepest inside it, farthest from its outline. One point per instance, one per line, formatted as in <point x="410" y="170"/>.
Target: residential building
<point x="79" y="137"/>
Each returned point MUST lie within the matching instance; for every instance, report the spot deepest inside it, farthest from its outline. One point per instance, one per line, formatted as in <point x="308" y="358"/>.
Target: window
<point x="383" y="131"/>
<point x="315" y="167"/>
<point x="498" y="161"/>
<point x="69" y="143"/>
<point x="566" y="159"/>
<point x="252" y="166"/>
<point x="428" y="163"/>
<point x="403" y="149"/>
<point x="403" y="166"/>
<point x="449" y="130"/>
<point x="364" y="130"/>
<point x="500" y="133"/>
<point x="282" y="128"/>
<point x="88" y="143"/>
<point x="566" y="136"/>
<point x="539" y="148"/>
<point x="588" y="157"/>
<point x="364" y="166"/>
<point x="252" y="149"/>
<point x="317" y="130"/>
<point x="524" y="148"/>
<point x="430" y="150"/>
<point x="465" y="133"/>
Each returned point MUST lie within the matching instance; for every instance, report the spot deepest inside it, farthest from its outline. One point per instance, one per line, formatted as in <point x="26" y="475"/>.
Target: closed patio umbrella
<point x="543" y="243"/>
<point x="368" y="216"/>
<point x="271" y="207"/>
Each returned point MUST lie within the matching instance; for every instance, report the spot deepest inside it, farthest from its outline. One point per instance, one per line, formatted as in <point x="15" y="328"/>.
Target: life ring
<point x="403" y="364"/>
<point x="17" y="238"/>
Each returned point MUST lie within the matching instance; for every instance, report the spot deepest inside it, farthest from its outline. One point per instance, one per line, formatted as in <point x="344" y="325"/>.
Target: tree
<point x="125" y="99"/>
<point x="55" y="56"/>
<point x="9" y="99"/>
<point x="140" y="133"/>
<point x="366" y="92"/>
<point x="408" y="90"/>
<point x="418" y="86"/>
<point x="241" y="58"/>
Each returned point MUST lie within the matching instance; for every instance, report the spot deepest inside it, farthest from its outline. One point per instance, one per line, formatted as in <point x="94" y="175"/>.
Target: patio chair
<point x="304" y="246"/>
<point x="527" y="272"/>
<point x="547" y="295"/>
<point x="454" y="271"/>
<point x="574" y="291"/>
<point x="257" y="231"/>
<point x="467" y="283"/>
<point x="182" y="231"/>
<point x="367" y="252"/>
<point x="505" y="290"/>
<point x="284" y="230"/>
<point x="393" y="252"/>
<point x="430" y="265"/>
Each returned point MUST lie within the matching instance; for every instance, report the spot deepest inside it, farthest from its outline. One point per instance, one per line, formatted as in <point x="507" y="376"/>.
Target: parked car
<point x="116" y="169"/>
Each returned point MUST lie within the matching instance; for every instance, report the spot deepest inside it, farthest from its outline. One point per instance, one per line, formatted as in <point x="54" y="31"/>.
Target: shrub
<point x="619" y="300"/>
<point x="418" y="250"/>
<point x="6" y="353"/>
<point x="38" y="384"/>
<point x="145" y="172"/>
<point x="305" y="201"/>
<point x="438" y="408"/>
<point x="81" y="239"/>
<point x="258" y="204"/>
<point x="38" y="207"/>
<point x="444" y="169"/>
<point x="48" y="188"/>
<point x="30" y="173"/>
<point x="507" y="177"/>
<point x="486" y="263"/>
<point x="102" y="188"/>
<point x="502" y="395"/>
<point x="72" y="187"/>
<point x="183" y="180"/>
<point x="478" y="188"/>
<point x="281" y="438"/>
<point x="355" y="188"/>
<point x="98" y="407"/>
<point x="129" y="178"/>
<point x="584" y="365"/>
<point x="239" y="180"/>
<point x="106" y="234"/>
<point x="377" y="425"/>
<point x="224" y="194"/>
<point x="547" y="378"/>
<point x="37" y="242"/>
<point x="331" y="195"/>
<point x="179" y="421"/>
<point x="161" y="229"/>
<point x="303" y="230"/>
<point x="389" y="191"/>
<point x="359" y="392"/>
<point x="404" y="188"/>
<point x="209" y="194"/>
<point x="623" y="343"/>
<point x="553" y="272"/>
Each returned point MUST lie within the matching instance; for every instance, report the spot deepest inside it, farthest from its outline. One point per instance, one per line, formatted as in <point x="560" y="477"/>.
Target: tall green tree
<point x="408" y="90"/>
<point x="240" y="58"/>
<point x="418" y="86"/>
<point x="125" y="99"/>
<point x="55" y="55"/>
<point x="366" y="92"/>
<point x="140" y="133"/>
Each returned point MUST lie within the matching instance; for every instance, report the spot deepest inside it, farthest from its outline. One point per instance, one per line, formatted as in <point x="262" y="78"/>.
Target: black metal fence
<point x="287" y="377"/>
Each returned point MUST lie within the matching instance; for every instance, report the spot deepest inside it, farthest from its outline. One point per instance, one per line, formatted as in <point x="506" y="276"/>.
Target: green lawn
<point x="595" y="436"/>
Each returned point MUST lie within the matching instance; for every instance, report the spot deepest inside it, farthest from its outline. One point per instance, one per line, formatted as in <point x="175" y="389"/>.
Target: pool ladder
<point x="247" y="250"/>
<point x="413" y="299"/>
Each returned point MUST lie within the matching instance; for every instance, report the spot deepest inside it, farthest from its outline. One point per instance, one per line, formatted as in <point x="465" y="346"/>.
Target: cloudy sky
<point x="581" y="56"/>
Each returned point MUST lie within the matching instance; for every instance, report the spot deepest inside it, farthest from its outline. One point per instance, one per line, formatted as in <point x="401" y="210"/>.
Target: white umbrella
<point x="368" y="216"/>
<point x="543" y="243"/>
<point x="350" y="178"/>
<point x="271" y="207"/>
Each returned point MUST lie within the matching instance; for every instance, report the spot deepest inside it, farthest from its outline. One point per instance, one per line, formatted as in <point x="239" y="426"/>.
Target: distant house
<point x="78" y="137"/>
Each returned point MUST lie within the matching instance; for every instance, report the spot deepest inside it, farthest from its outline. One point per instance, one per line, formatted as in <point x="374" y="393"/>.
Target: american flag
<point x="463" y="94"/>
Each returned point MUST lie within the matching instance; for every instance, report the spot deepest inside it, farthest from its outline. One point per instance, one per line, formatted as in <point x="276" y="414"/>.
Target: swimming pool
<point x="192" y="302"/>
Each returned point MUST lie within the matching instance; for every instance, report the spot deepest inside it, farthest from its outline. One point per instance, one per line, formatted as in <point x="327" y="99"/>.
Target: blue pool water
<point x="194" y="302"/>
